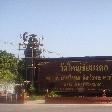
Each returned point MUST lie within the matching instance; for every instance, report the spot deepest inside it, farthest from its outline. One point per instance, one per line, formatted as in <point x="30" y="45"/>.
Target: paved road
<point x="55" y="108"/>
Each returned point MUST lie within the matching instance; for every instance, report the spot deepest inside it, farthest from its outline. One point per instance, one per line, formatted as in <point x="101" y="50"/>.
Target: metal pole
<point x="32" y="66"/>
<point x="26" y="69"/>
<point x="6" y="97"/>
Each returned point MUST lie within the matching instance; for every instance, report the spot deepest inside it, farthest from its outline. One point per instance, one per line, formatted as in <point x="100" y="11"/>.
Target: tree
<point x="22" y="70"/>
<point x="8" y="67"/>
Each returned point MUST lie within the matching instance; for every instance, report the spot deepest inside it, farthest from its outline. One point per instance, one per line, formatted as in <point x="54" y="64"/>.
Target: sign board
<point x="75" y="75"/>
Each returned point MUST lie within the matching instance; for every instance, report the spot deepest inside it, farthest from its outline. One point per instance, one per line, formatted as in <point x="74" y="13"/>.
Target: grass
<point x="34" y="97"/>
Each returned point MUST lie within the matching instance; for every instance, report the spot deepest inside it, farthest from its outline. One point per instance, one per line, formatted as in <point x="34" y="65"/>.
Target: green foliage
<point x="8" y="61"/>
<point x="21" y="70"/>
<point x="31" y="89"/>
<point x="8" y="67"/>
<point x="6" y="76"/>
<point x="34" y="97"/>
<point x="53" y="94"/>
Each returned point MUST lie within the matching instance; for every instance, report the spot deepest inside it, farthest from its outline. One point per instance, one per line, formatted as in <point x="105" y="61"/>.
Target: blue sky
<point x="70" y="27"/>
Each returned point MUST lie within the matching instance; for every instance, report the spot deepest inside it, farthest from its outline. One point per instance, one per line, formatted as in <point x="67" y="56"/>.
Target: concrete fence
<point x="12" y="99"/>
<point x="78" y="100"/>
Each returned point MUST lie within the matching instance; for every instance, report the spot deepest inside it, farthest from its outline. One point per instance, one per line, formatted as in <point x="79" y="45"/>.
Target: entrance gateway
<point x="87" y="77"/>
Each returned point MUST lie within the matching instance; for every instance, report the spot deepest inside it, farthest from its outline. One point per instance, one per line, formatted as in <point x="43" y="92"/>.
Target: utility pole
<point x="31" y="45"/>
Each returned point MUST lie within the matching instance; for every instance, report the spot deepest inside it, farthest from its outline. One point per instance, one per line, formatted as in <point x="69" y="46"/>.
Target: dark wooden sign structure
<point x="75" y="79"/>
<point x="79" y="75"/>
